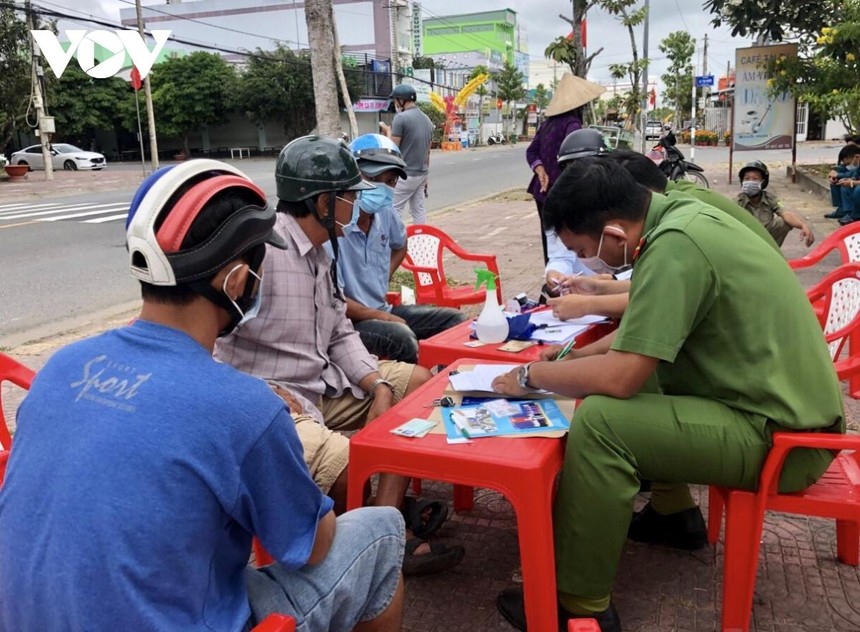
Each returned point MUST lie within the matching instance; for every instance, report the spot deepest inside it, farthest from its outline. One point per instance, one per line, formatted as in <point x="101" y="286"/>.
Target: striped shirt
<point x="301" y="338"/>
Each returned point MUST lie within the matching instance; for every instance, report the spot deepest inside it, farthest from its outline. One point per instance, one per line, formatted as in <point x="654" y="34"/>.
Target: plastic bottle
<point x="492" y="325"/>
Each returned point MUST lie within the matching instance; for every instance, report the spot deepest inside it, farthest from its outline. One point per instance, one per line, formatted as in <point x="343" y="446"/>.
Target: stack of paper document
<point x="558" y="331"/>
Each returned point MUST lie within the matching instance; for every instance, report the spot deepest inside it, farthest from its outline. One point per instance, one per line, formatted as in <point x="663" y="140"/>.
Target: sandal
<point x="413" y="513"/>
<point x="441" y="557"/>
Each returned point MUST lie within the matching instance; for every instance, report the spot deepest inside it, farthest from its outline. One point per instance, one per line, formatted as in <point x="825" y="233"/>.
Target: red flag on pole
<point x="135" y="78"/>
<point x="583" y="30"/>
<point x="653" y="98"/>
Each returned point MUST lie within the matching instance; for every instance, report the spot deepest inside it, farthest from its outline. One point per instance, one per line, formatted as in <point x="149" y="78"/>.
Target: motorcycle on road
<point x="672" y="162"/>
<point x="497" y="139"/>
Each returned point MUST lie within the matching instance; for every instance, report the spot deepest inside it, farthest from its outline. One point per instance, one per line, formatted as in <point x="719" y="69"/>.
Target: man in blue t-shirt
<point x="371" y="249"/>
<point x="142" y="469"/>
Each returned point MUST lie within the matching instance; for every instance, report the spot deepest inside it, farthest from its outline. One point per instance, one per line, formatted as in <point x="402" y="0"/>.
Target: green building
<point x="487" y="38"/>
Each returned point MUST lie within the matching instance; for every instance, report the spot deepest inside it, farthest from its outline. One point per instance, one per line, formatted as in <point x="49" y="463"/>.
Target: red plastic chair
<point x="838" y="297"/>
<point x="11" y="371"/>
<point x="846" y="241"/>
<point x="276" y="623"/>
<point x="425" y="249"/>
<point x="835" y="495"/>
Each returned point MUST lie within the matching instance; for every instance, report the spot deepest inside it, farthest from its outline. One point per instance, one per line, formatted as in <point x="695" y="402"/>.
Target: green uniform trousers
<point x="778" y="229"/>
<point x="672" y="439"/>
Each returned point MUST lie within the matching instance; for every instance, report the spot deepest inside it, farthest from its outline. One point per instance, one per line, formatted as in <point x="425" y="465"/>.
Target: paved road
<point x="63" y="259"/>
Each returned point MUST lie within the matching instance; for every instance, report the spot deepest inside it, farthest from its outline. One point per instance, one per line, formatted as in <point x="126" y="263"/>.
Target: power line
<point x="218" y="26"/>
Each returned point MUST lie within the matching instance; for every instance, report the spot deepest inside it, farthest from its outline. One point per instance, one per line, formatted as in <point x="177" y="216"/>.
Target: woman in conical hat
<point x="563" y="115"/>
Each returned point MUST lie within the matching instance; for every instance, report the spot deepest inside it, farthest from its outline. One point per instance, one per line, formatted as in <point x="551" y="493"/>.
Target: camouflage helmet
<point x="312" y="164"/>
<point x="756" y="165"/>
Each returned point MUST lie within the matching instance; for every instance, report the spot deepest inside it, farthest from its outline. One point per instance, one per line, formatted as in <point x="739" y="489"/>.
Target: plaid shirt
<point x="301" y="338"/>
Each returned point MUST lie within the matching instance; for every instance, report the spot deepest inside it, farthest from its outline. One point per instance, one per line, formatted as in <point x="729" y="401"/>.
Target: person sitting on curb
<point x="370" y="250"/>
<point x="726" y="379"/>
<point x="303" y="343"/>
<point x="766" y="207"/>
<point x="843" y="181"/>
<point x="142" y="468"/>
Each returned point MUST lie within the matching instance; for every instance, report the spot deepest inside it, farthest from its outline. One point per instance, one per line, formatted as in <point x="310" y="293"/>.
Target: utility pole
<point x="645" y="72"/>
<point x="46" y="123"/>
<point x="705" y="90"/>
<point x="147" y="89"/>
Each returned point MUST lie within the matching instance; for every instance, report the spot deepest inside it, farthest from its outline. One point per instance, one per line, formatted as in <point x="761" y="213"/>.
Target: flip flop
<point x="413" y="510"/>
<point x="440" y="558"/>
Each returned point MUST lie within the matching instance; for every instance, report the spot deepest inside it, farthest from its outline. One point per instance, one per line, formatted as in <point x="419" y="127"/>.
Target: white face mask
<point x="250" y="312"/>
<point x="751" y="187"/>
<point x="598" y="265"/>
<point x="353" y="219"/>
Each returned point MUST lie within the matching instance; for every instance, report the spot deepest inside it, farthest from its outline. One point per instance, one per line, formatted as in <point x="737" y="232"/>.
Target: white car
<point x="653" y="129"/>
<point x="64" y="156"/>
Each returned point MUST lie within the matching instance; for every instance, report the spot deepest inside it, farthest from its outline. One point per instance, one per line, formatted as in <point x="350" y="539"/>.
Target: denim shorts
<point x="355" y="582"/>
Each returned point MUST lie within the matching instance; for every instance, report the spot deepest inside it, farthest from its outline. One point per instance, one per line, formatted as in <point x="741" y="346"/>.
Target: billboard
<point x="760" y="121"/>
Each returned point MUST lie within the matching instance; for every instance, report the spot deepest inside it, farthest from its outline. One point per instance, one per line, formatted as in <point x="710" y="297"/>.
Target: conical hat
<point x="571" y="93"/>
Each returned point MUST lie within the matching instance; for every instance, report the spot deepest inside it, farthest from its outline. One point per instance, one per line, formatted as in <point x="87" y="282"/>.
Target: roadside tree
<point x="541" y="97"/>
<point x="14" y="71"/>
<point x="277" y="85"/>
<point x="826" y="72"/>
<point x="320" y="23"/>
<point x="190" y="92"/>
<point x="482" y="91"/>
<point x="510" y="88"/>
<point x="82" y="106"/>
<point x="678" y="47"/>
<point x="776" y="20"/>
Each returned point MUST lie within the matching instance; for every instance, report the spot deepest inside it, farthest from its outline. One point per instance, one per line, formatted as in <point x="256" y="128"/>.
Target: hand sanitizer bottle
<point x="492" y="325"/>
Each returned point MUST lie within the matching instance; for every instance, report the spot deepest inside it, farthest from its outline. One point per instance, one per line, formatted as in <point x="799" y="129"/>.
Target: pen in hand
<point x="565" y="350"/>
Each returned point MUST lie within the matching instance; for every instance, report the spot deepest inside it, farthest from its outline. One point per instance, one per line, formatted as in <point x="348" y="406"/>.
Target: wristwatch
<point x="377" y="382"/>
<point x="523" y="376"/>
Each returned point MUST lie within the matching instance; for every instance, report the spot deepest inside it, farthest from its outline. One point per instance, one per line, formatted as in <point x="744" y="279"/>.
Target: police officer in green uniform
<point x="727" y="379"/>
<point x="766" y="207"/>
<point x="608" y="298"/>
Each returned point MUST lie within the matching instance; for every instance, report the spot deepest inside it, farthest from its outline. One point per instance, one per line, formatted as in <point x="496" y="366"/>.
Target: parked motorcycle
<point x="672" y="162"/>
<point x="497" y="139"/>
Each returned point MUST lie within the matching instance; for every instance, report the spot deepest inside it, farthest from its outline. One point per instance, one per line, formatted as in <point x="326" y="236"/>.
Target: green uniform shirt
<point x="768" y="206"/>
<point x="728" y="319"/>
<point x="722" y="203"/>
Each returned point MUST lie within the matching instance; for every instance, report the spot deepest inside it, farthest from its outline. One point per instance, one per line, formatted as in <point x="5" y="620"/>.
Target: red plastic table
<point x="450" y="345"/>
<point x="524" y="470"/>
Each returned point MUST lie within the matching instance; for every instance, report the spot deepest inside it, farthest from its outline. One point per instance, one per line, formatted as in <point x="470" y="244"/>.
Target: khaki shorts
<point x="326" y="452"/>
<point x="347" y="412"/>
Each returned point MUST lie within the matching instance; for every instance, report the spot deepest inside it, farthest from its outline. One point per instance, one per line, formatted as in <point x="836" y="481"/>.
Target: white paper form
<point x="480" y="378"/>
<point x="558" y="331"/>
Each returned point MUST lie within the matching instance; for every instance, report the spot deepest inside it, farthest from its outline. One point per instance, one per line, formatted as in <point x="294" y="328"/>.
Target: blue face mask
<point x="374" y="200"/>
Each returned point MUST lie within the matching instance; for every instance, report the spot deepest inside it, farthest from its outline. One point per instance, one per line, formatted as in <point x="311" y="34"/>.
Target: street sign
<point x="704" y="81"/>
